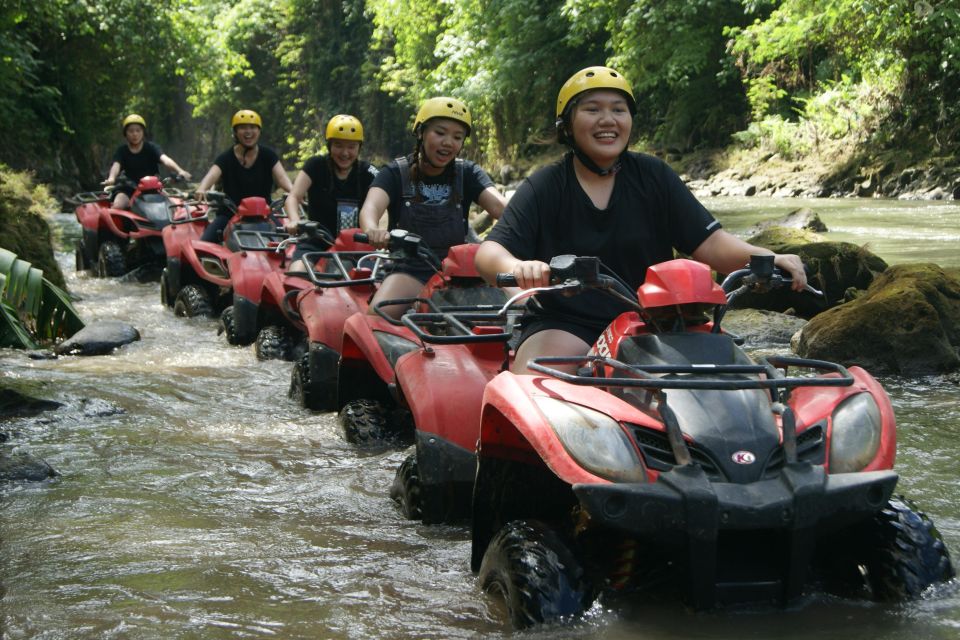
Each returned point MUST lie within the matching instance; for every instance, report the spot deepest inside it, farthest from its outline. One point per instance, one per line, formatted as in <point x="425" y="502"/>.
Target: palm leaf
<point x="32" y="309"/>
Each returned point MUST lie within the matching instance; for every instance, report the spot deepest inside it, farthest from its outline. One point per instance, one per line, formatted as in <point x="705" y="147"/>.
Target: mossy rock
<point x="907" y="322"/>
<point x="803" y="219"/>
<point x="834" y="268"/>
<point x="23" y="226"/>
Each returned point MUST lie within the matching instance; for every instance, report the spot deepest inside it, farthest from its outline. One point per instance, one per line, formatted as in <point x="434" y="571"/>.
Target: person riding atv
<point x="428" y="193"/>
<point x="136" y="159"/>
<point x="244" y="170"/>
<point x="629" y="209"/>
<point x="333" y="186"/>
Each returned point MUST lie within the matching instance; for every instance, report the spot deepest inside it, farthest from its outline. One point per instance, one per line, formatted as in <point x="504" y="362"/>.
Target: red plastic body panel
<point x="325" y="311"/>
<point x="679" y="282"/>
<point x="429" y="379"/>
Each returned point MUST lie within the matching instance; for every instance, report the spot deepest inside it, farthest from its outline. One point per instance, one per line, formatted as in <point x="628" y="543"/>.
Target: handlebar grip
<point x="361" y="237"/>
<point x="506" y="280"/>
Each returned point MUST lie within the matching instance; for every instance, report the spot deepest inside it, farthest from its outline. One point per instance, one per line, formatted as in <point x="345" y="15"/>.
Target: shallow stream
<point x="197" y="501"/>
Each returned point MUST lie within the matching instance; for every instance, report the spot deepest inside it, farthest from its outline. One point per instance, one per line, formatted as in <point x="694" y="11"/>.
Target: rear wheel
<point x="363" y="421"/>
<point x="166" y="296"/>
<point x="192" y="301"/>
<point x="536" y="573"/>
<point x="275" y="343"/>
<point x="80" y="258"/>
<point x="110" y="261"/>
<point x="903" y="553"/>
<point x="406" y="490"/>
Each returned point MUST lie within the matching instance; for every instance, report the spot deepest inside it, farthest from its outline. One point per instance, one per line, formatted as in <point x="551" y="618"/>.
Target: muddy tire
<point x="308" y="392"/>
<point x="903" y="553"/>
<point x="405" y="490"/>
<point x="192" y="301"/>
<point x="166" y="296"/>
<point x="364" y="422"/>
<point x="536" y="573"/>
<point x="275" y="343"/>
<point x="110" y="261"/>
<point x="228" y="326"/>
<point x="80" y="258"/>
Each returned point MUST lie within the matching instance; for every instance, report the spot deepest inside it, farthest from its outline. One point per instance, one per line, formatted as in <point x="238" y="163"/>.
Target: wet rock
<point x="833" y="268"/>
<point x="803" y="218"/>
<point x="14" y="404"/>
<point x="762" y="328"/>
<point x="19" y="466"/>
<point x="907" y="322"/>
<point x="98" y="338"/>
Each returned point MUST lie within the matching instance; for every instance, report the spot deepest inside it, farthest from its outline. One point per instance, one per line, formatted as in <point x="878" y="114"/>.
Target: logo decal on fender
<point x="744" y="457"/>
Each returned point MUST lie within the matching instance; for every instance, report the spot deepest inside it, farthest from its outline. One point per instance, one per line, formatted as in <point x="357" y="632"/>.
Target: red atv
<point x="669" y="461"/>
<point x="370" y="409"/>
<point x="250" y="310"/>
<point x="341" y="283"/>
<point x="197" y="278"/>
<point x="116" y="241"/>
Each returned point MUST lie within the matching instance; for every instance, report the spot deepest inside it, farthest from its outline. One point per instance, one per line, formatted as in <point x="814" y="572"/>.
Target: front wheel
<point x="228" y="327"/>
<point x="192" y="301"/>
<point x="903" y="553"/>
<point x="536" y="573"/>
<point x="406" y="489"/>
<point x="110" y="260"/>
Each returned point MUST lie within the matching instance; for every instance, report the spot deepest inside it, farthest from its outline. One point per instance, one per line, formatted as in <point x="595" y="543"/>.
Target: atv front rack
<point x="341" y="275"/>
<point x="460" y="325"/>
<point x="702" y="376"/>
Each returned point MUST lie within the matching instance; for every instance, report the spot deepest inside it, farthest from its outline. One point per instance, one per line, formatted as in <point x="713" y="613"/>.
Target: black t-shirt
<point x="433" y="189"/>
<point x="650" y="213"/>
<point x="137" y="165"/>
<point x="326" y="188"/>
<point x="240" y="182"/>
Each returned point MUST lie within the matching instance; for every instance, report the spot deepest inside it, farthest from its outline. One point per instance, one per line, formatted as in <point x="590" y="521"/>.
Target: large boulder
<point x="98" y="338"/>
<point x="907" y="322"/>
<point x="839" y="269"/>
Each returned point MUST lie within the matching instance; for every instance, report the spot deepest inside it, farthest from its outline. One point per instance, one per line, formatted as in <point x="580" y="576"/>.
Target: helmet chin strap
<point x="425" y="158"/>
<point x="593" y="166"/>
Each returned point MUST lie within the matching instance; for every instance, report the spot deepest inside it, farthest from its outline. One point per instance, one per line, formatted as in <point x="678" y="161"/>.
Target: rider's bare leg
<point x="121" y="201"/>
<point x="549" y="342"/>
<point x="396" y="285"/>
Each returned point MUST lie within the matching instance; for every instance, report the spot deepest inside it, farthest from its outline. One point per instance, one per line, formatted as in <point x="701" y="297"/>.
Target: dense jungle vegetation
<point x="791" y="76"/>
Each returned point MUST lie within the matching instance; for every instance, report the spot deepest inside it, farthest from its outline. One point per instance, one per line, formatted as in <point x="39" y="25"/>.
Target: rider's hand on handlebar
<point x="291" y="226"/>
<point x="794" y="266"/>
<point x="109" y="182"/>
<point x="200" y="195"/>
<point x="183" y="175"/>
<point x="379" y="238"/>
<point x="531" y="273"/>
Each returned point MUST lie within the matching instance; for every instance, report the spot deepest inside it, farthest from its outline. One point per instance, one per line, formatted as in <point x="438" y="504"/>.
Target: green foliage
<point x="33" y="311"/>
<point x="23" y="225"/>
<point x="701" y="69"/>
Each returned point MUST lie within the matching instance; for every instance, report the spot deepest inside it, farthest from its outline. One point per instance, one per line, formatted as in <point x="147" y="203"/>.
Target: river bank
<point x="893" y="173"/>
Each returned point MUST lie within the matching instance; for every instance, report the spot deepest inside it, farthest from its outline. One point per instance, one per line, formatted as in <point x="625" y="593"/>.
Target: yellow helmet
<point x="344" y="127"/>
<point x="245" y="116"/>
<point x="593" y="78"/>
<point x="443" y="107"/>
<point x="134" y="119"/>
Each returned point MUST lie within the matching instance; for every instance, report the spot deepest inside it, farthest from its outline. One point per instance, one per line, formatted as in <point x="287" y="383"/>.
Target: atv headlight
<point x="855" y="436"/>
<point x="394" y="346"/>
<point x="596" y="441"/>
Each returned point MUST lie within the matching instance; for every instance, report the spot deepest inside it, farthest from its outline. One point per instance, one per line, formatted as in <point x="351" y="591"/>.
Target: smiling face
<point x="134" y="134"/>
<point x="442" y="141"/>
<point x="344" y="153"/>
<point x="247" y="134"/>
<point x="601" y="124"/>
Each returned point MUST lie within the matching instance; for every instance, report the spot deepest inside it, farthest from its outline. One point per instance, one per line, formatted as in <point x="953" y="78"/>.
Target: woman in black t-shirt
<point x="428" y="193"/>
<point x="332" y="185"/>
<point x="246" y="169"/>
<point x="629" y="209"/>
<point x="136" y="159"/>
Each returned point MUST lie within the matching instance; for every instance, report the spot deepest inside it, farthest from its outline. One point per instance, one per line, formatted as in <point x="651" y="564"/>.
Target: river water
<point x="197" y="501"/>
